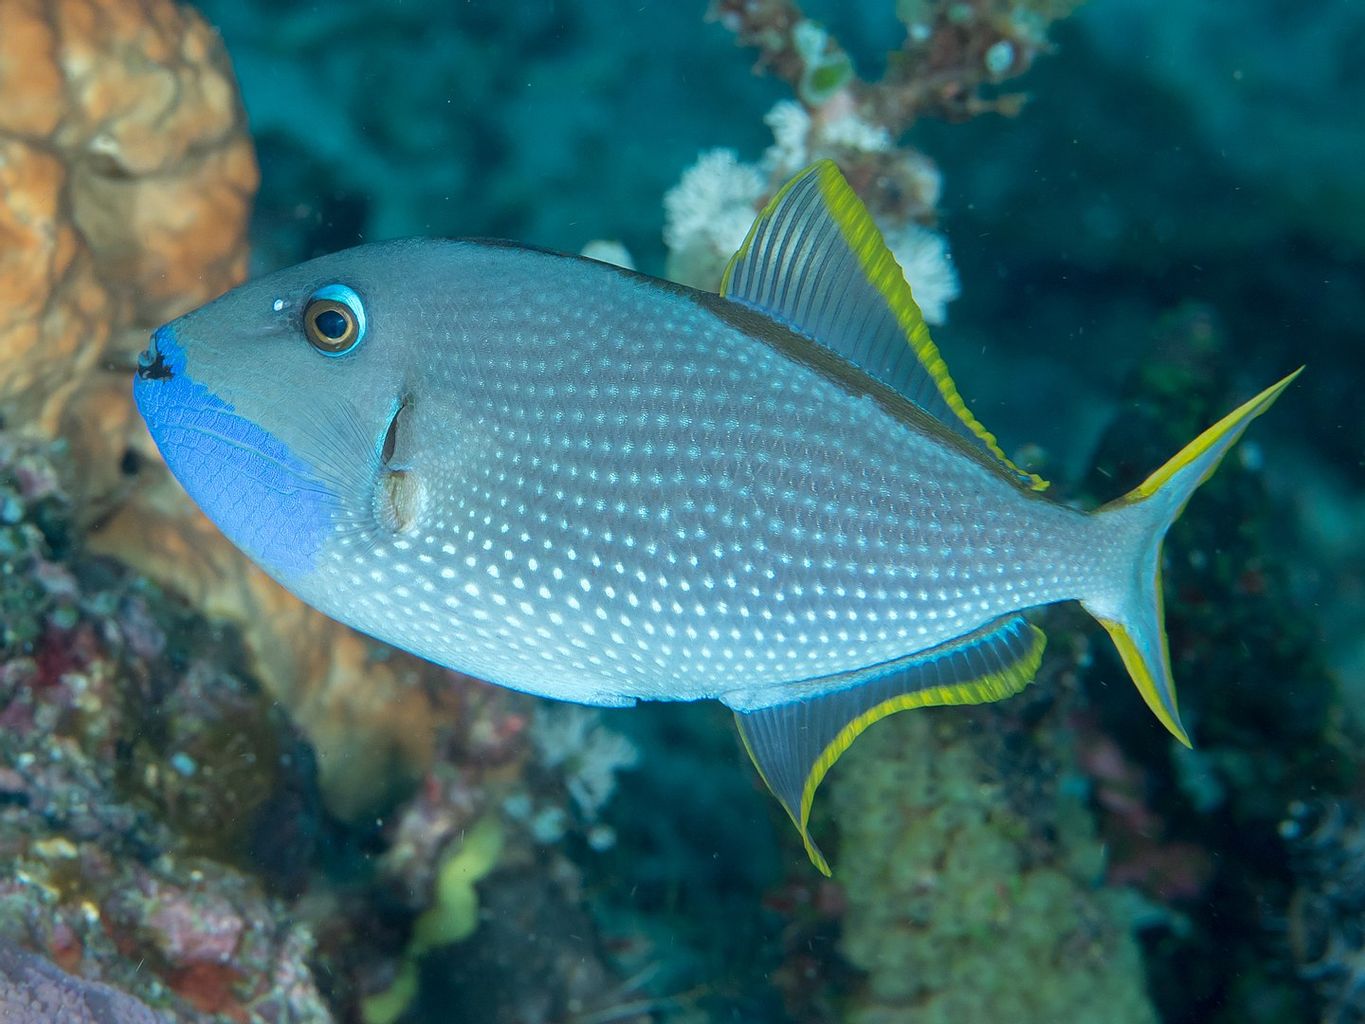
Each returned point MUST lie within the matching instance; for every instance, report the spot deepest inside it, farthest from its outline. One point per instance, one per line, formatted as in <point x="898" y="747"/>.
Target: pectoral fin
<point x="794" y="745"/>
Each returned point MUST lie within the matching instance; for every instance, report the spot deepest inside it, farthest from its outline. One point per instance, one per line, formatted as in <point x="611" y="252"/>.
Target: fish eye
<point x="334" y="320"/>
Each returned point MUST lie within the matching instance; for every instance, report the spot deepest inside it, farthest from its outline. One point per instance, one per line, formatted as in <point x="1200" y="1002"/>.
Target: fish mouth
<point x="264" y="497"/>
<point x="152" y="364"/>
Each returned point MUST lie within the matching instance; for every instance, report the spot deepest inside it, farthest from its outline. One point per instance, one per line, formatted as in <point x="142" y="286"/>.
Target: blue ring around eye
<point x="347" y="297"/>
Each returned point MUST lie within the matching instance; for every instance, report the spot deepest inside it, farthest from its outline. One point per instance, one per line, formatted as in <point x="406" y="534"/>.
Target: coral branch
<point x="952" y="49"/>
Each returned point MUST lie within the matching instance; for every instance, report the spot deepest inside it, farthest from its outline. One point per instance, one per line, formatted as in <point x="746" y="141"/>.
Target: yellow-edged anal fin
<point x="815" y="260"/>
<point x="795" y="745"/>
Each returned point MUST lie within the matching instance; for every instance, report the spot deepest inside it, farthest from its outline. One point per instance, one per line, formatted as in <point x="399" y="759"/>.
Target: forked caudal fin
<point x="1130" y="608"/>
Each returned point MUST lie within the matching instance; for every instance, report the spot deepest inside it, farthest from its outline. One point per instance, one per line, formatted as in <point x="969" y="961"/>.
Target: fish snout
<point x="151" y="363"/>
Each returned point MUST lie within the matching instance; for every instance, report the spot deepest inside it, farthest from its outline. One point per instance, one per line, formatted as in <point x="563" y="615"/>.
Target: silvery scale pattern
<point x="613" y="492"/>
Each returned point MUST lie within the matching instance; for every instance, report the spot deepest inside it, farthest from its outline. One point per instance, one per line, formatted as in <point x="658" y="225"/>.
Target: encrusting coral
<point x="162" y="831"/>
<point x="366" y="712"/>
<point x="970" y="867"/>
<point x="142" y="776"/>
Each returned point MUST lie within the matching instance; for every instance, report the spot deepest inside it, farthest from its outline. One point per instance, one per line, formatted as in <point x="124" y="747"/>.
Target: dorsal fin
<point x="794" y="745"/>
<point x="815" y="260"/>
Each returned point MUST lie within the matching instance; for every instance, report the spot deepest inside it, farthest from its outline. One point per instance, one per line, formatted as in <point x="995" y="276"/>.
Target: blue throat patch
<point x="255" y="489"/>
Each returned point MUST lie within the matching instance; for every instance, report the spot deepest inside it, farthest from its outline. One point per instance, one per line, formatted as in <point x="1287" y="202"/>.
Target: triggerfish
<point x="597" y="486"/>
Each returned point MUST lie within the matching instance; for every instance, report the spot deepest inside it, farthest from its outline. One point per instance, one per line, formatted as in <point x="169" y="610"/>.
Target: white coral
<point x="574" y="740"/>
<point x="798" y="138"/>
<point x="707" y="215"/>
<point x="924" y="259"/>
<point x="790" y="151"/>
<point x="852" y="132"/>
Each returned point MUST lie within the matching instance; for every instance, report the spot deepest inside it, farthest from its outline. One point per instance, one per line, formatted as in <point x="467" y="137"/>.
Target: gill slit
<point x="389" y="444"/>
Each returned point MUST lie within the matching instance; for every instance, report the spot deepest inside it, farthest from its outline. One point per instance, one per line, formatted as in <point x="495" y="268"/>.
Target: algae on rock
<point x="972" y="883"/>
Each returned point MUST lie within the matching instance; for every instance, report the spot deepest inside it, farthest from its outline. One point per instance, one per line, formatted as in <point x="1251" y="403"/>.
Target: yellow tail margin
<point x="1133" y="615"/>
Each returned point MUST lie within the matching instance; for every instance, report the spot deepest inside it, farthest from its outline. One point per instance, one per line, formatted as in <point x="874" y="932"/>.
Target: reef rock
<point x="362" y="709"/>
<point x="126" y="178"/>
<point x="157" y="810"/>
<point x="1326" y="842"/>
<point x="34" y="991"/>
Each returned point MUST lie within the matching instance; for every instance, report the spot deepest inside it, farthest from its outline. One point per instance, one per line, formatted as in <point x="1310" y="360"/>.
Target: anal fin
<point x="794" y="745"/>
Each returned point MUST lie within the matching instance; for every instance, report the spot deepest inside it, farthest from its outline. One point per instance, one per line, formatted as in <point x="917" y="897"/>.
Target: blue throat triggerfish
<point x="589" y="484"/>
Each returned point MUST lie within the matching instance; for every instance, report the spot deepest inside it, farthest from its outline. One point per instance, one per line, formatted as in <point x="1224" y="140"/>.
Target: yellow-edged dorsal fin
<point x="794" y="745"/>
<point x="815" y="260"/>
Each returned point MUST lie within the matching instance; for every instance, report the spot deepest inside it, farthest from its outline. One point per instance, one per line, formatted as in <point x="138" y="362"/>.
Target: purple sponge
<point x="36" y="991"/>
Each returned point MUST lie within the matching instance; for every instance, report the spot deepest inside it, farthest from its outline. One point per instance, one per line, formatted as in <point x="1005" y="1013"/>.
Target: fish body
<point x="624" y="490"/>
<point x="595" y="486"/>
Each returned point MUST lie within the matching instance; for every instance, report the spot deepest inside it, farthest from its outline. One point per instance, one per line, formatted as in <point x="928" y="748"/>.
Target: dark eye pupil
<point x="330" y="324"/>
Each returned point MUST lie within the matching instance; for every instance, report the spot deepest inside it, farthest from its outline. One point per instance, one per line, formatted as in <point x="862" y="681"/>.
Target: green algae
<point x="452" y="917"/>
<point x="825" y="67"/>
<point x="454" y="912"/>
